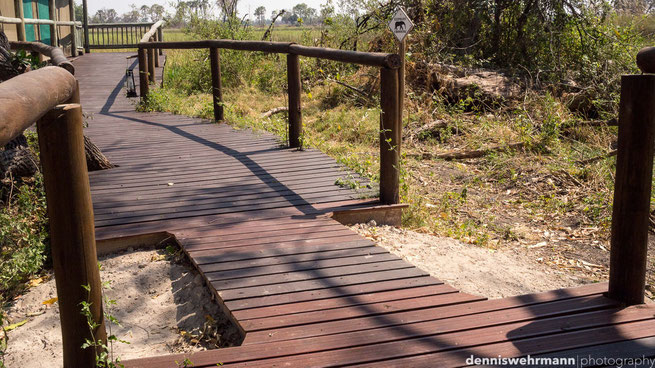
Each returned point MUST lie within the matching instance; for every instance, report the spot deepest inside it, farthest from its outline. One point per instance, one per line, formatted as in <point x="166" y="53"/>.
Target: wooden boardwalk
<point x="305" y="290"/>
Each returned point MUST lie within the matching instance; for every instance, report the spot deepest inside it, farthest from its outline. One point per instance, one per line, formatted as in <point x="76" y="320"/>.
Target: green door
<point x="44" y="13"/>
<point x="42" y="9"/>
<point x="30" y="34"/>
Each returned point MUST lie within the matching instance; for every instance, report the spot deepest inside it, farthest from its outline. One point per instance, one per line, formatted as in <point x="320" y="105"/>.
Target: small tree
<point x="144" y="12"/>
<point x="260" y="13"/>
<point x="157" y="12"/>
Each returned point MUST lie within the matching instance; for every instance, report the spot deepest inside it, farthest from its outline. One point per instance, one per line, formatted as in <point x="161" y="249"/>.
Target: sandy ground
<point x="470" y="268"/>
<point x="162" y="305"/>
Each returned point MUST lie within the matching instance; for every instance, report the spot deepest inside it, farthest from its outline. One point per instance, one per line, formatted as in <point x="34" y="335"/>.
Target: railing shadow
<point x="450" y="347"/>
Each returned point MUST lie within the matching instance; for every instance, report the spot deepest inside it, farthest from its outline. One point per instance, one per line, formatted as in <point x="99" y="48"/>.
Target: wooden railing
<point x="50" y="97"/>
<point x="54" y="41"/>
<point x="390" y="122"/>
<point x="56" y="55"/>
<point x="122" y="35"/>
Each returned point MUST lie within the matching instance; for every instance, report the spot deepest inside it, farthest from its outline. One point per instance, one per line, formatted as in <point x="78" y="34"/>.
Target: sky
<point x="123" y="6"/>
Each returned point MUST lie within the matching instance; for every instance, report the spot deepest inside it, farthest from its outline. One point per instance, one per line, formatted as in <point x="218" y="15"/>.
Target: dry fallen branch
<point x="434" y="129"/>
<point x="274" y="111"/>
<point x="597" y="158"/>
<point x="353" y="88"/>
<point x="469" y="154"/>
<point x="596" y="123"/>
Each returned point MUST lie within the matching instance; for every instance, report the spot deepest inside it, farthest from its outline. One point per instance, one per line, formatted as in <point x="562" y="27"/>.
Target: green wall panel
<point x="44" y="13"/>
<point x="30" y="34"/>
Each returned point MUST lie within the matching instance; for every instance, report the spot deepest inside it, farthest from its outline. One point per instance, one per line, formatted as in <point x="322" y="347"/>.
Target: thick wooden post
<point x="151" y="64"/>
<point x="85" y="10"/>
<point x="295" y="112"/>
<point x="73" y="29"/>
<point x="160" y="37"/>
<point x="217" y="91"/>
<point x="72" y="236"/>
<point x="143" y="74"/>
<point x="20" y="28"/>
<point x="389" y="137"/>
<point x="632" y="188"/>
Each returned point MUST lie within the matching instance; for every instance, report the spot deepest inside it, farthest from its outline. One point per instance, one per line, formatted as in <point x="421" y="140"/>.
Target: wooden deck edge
<point x="216" y="296"/>
<point x="113" y="245"/>
<point x="382" y="215"/>
<point x="155" y="240"/>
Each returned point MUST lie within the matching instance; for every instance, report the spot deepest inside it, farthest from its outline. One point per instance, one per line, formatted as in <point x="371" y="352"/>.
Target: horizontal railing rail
<point x="390" y="93"/>
<point x="61" y="23"/>
<point x="356" y="57"/>
<point x="56" y="55"/>
<point x="49" y="96"/>
<point x="122" y="35"/>
<point x="116" y="25"/>
<point x="27" y="97"/>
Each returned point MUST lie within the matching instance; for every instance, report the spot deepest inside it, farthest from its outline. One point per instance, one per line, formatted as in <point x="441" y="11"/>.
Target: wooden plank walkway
<point x="305" y="290"/>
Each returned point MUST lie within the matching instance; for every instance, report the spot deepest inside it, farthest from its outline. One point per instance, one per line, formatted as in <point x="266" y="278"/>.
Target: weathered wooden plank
<point x="305" y="275"/>
<point x="326" y="293"/>
<point x="408" y="312"/>
<point x="344" y="302"/>
<point x="275" y="270"/>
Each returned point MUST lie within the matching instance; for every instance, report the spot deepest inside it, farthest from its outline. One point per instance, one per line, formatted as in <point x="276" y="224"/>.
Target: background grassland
<point x="506" y="198"/>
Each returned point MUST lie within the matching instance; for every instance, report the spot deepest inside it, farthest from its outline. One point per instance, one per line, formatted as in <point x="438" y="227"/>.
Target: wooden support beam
<point x="160" y="38"/>
<point x="52" y="15"/>
<point x="73" y="30"/>
<point x="72" y="236"/>
<point x="143" y="74"/>
<point x="389" y="137"/>
<point x="20" y="28"/>
<point x="632" y="188"/>
<point x="85" y="8"/>
<point x="155" y="51"/>
<point x="26" y="97"/>
<point x="217" y="90"/>
<point x="295" y="113"/>
<point x="391" y="61"/>
<point x="55" y="54"/>
<point x="151" y="65"/>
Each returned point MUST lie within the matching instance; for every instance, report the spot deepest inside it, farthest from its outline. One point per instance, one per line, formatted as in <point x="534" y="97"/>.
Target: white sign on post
<point x="400" y="24"/>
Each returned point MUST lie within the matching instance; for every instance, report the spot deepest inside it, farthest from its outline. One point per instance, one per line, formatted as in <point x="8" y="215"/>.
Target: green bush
<point x="23" y="234"/>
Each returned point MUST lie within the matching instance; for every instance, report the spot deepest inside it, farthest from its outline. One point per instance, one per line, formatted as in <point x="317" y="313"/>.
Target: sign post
<point x="400" y="25"/>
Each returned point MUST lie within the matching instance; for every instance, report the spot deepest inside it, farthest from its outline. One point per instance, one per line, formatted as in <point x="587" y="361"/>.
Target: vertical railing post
<point x="160" y="37"/>
<point x="151" y="64"/>
<point x="73" y="29"/>
<point x="52" y="15"/>
<point x="632" y="189"/>
<point x="72" y="236"/>
<point x="217" y="91"/>
<point x="389" y="137"/>
<point x="85" y="10"/>
<point x="143" y="74"/>
<point x="155" y="52"/>
<point x="295" y="112"/>
<point x="20" y="28"/>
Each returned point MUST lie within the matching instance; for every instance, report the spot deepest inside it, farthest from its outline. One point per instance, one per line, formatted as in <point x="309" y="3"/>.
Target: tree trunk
<point x="95" y="160"/>
<point x="17" y="160"/>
